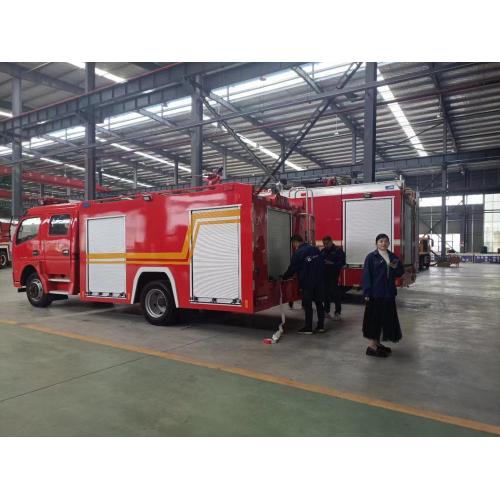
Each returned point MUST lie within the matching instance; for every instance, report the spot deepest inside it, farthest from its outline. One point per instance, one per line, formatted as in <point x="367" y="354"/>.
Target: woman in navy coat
<point x="380" y="271"/>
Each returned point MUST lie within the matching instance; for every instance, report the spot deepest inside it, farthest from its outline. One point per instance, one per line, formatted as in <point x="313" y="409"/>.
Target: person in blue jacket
<point x="334" y="258"/>
<point x="308" y="264"/>
<point x="380" y="271"/>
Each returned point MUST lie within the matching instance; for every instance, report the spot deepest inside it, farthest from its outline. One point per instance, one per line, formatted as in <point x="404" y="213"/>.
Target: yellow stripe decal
<point x="216" y="213"/>
<point x="159" y="262"/>
<point x="154" y="257"/>
<point x="106" y="256"/>
<point x="106" y="261"/>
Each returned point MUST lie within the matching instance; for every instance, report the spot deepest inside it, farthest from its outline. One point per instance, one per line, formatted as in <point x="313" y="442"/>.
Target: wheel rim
<point x="156" y="303"/>
<point x="3" y="260"/>
<point x="36" y="289"/>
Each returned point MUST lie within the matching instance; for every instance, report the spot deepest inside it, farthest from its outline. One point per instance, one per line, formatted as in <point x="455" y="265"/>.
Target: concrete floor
<point x="447" y="362"/>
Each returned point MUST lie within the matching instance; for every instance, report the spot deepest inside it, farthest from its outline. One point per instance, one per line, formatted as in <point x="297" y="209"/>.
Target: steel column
<point x="283" y="153"/>
<point x="370" y="125"/>
<point x="224" y="165"/>
<point x="197" y="133"/>
<point x="17" y="169"/>
<point x="176" y="172"/>
<point x="42" y="191"/>
<point x="353" y="148"/>
<point x="444" y="186"/>
<point x="90" y="183"/>
<point x="466" y="212"/>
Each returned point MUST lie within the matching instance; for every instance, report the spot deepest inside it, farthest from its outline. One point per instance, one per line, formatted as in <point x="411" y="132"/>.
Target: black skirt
<point x="381" y="316"/>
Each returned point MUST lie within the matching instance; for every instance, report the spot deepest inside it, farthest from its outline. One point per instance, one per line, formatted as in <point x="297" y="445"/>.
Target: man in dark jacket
<point x="307" y="263"/>
<point x="334" y="258"/>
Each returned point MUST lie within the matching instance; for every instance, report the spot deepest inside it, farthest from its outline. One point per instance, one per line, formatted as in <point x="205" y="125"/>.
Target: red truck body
<point x="218" y="247"/>
<point x="354" y="214"/>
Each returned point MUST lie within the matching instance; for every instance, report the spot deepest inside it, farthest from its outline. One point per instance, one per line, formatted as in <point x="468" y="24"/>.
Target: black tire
<point x="4" y="261"/>
<point x="158" y="303"/>
<point x="35" y="292"/>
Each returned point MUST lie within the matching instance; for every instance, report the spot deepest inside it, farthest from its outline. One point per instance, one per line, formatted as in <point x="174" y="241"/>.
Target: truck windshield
<point x="28" y="230"/>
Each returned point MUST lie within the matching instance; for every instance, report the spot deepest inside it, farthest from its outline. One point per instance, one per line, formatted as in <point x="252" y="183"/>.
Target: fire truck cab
<point x="216" y="247"/>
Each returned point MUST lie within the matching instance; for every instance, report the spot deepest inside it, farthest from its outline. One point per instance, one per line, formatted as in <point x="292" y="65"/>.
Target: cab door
<point x="27" y="246"/>
<point x="57" y="247"/>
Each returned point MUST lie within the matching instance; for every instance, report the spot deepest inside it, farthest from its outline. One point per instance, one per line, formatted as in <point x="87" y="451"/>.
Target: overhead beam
<point x="344" y="117"/>
<point x="214" y="145"/>
<point x="148" y="66"/>
<point x="279" y="138"/>
<point x="391" y="166"/>
<point x="55" y="122"/>
<point x="157" y="87"/>
<point x="304" y="130"/>
<point x="257" y="161"/>
<point x="50" y="180"/>
<point x="99" y="170"/>
<point x="18" y="71"/>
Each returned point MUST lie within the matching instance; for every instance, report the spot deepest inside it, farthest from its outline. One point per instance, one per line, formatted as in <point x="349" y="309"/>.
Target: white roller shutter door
<point x="363" y="220"/>
<point x="106" y="264"/>
<point x="215" y="261"/>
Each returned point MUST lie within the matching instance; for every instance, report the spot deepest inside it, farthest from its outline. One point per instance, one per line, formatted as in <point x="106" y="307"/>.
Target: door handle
<point x="65" y="252"/>
<point x="35" y="253"/>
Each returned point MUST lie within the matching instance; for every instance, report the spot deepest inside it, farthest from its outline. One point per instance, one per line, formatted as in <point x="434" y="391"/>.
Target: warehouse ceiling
<point x="274" y="106"/>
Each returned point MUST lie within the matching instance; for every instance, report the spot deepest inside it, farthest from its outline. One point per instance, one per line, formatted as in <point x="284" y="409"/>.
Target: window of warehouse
<point x="492" y="222"/>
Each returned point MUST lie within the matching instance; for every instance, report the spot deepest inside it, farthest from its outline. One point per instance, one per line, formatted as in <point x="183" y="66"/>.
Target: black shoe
<point x="319" y="330"/>
<point x="305" y="330"/>
<point x="378" y="353"/>
<point x="388" y="350"/>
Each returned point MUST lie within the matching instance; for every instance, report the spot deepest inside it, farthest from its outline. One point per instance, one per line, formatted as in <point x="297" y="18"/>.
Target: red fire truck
<point x="353" y="214"/>
<point x="5" y="245"/>
<point x="216" y="247"/>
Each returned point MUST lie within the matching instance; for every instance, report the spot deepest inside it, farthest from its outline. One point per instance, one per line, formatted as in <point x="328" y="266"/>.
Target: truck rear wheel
<point x="35" y="292"/>
<point x="3" y="259"/>
<point x="158" y="303"/>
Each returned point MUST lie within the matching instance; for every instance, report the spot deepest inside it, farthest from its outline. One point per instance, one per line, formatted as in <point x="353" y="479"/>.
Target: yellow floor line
<point x="264" y="377"/>
<point x="8" y="322"/>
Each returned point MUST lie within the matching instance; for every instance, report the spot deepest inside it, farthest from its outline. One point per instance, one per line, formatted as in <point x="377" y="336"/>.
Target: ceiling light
<point x="400" y="117"/>
<point x="101" y="72"/>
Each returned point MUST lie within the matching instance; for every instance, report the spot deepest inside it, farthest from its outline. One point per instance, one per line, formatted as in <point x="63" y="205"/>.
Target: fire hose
<point x="281" y="327"/>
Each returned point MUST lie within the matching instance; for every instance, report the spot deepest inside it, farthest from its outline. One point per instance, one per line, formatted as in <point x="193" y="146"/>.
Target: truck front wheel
<point x="158" y="303"/>
<point x="3" y="259"/>
<point x="35" y="292"/>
